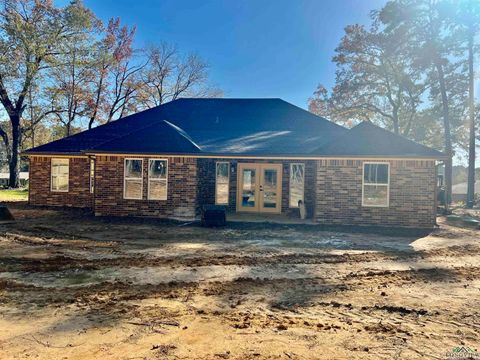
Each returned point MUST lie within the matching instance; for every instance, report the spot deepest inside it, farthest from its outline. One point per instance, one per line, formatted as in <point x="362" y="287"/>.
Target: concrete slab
<point x="267" y="218"/>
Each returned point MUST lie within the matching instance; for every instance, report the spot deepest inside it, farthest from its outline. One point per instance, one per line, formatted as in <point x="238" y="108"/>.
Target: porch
<point x="259" y="190"/>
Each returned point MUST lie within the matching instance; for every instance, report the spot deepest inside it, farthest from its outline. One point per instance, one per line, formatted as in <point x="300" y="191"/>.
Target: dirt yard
<point x="77" y="287"/>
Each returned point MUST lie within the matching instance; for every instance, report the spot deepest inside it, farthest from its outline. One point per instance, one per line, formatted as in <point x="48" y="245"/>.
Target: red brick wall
<point x="181" y="192"/>
<point x="78" y="194"/>
<point x="412" y="194"/>
<point x="333" y="190"/>
<point x="206" y="182"/>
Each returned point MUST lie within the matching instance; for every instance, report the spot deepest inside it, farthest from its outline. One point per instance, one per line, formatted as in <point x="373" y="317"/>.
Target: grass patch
<point x="13" y="195"/>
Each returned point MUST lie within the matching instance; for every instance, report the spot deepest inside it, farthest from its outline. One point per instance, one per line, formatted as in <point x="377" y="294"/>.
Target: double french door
<point x="259" y="188"/>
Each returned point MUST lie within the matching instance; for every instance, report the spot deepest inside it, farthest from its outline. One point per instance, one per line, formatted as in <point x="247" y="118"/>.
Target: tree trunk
<point x="447" y="135"/>
<point x="396" y="127"/>
<point x="97" y="103"/>
<point x="14" y="163"/>
<point x="471" y="146"/>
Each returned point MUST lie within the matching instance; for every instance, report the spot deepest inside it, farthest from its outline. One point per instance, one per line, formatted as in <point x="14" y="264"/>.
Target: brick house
<point x="250" y="155"/>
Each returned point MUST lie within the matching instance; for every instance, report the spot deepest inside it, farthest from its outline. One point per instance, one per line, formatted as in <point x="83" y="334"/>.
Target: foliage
<point x="409" y="73"/>
<point x="31" y="37"/>
<point x="62" y="70"/>
<point x="374" y="81"/>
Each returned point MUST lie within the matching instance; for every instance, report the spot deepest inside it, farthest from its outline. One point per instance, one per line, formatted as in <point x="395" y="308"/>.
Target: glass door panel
<point x="271" y="188"/>
<point x="248" y="187"/>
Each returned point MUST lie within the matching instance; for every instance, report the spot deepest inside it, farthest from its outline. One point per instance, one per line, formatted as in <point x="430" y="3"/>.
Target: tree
<point x="112" y="61"/>
<point x="37" y="109"/>
<point x="62" y="71"/>
<point x="383" y="74"/>
<point x="434" y="50"/>
<point x="126" y="82"/>
<point x="471" y="105"/>
<point x="72" y="73"/>
<point x="321" y="104"/>
<point x="30" y="33"/>
<point x="374" y="80"/>
<point x="467" y="16"/>
<point x="169" y="75"/>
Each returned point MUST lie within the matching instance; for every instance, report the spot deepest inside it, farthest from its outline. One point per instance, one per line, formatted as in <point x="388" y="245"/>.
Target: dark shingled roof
<point x="158" y="138"/>
<point x="229" y="127"/>
<point x="367" y="139"/>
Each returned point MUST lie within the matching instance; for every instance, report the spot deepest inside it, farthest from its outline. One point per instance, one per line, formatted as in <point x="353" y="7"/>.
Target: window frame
<point x="148" y="180"/>
<point x="51" y="175"/>
<point x="91" y="174"/>
<point x="131" y="178"/>
<point x="228" y="182"/>
<point x="290" y="185"/>
<point x="375" y="184"/>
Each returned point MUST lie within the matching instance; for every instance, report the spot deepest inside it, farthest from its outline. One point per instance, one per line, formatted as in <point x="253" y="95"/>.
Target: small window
<point x="92" y="175"/>
<point x="297" y="184"/>
<point x="157" y="179"/>
<point x="59" y="172"/>
<point x="133" y="179"/>
<point x="222" y="180"/>
<point x="376" y="184"/>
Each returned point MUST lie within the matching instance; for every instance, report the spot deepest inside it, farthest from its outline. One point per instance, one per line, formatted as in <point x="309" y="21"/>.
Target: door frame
<point x="259" y="177"/>
<point x="278" y="208"/>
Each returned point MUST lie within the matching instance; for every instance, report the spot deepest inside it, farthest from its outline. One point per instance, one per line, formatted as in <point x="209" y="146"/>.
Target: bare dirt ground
<point x="77" y="287"/>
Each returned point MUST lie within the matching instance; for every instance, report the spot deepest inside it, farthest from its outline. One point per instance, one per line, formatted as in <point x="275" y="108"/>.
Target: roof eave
<point x="87" y="153"/>
<point x="266" y="155"/>
<point x="57" y="153"/>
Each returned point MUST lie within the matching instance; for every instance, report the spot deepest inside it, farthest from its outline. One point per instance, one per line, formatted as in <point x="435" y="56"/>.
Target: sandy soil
<point x="77" y="287"/>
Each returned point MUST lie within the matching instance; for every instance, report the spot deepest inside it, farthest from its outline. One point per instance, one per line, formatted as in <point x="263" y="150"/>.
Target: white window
<point x="157" y="179"/>
<point x="133" y="179"/>
<point x="222" y="180"/>
<point x="376" y="184"/>
<point x="297" y="184"/>
<point x="92" y="175"/>
<point x="59" y="175"/>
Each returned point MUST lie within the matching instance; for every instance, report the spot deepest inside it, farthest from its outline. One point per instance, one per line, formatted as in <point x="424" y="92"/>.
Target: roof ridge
<point x="333" y="139"/>
<point x="312" y="114"/>
<point x="183" y="133"/>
